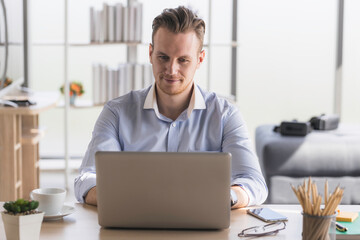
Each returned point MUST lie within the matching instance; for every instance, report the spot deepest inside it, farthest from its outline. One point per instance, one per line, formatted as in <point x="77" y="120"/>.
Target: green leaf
<point x="25" y="208"/>
<point x="20" y="206"/>
<point x="20" y="201"/>
<point x="33" y="205"/>
<point x="7" y="206"/>
<point x="15" y="208"/>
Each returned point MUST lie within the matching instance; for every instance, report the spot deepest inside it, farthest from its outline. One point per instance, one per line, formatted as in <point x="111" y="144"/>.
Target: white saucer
<point x="66" y="210"/>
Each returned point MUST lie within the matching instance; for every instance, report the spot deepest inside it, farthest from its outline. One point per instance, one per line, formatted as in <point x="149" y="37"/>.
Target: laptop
<point x="163" y="190"/>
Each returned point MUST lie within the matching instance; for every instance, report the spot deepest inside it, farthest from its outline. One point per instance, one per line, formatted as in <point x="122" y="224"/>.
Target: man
<point x="175" y="114"/>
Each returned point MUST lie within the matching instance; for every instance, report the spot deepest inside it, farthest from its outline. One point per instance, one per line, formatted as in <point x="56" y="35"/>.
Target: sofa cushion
<point x="281" y="192"/>
<point x="333" y="155"/>
<point x="320" y="153"/>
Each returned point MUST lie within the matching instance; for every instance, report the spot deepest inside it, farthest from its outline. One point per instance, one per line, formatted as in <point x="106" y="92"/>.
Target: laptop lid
<point x="163" y="189"/>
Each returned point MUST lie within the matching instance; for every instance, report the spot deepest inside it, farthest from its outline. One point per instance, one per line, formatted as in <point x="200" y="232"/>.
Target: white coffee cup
<point x="51" y="200"/>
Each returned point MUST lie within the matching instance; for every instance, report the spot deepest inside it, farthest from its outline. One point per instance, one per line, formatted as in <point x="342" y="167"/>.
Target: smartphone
<point x="267" y="214"/>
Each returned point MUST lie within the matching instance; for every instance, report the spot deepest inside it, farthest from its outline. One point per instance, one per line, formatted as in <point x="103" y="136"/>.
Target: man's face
<point x="175" y="58"/>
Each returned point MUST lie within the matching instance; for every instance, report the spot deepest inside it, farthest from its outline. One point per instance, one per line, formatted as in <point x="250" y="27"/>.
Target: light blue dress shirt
<point x="133" y="123"/>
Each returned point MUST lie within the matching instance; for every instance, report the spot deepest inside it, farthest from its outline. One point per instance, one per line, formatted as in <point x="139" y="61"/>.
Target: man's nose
<point x="172" y="67"/>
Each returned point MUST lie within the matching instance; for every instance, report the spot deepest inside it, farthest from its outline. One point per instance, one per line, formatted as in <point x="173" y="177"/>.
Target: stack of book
<point x="350" y="222"/>
<point x="116" y="23"/>
<point x="112" y="82"/>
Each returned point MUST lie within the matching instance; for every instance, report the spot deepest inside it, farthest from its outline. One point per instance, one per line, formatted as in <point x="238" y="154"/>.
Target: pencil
<point x="326" y="192"/>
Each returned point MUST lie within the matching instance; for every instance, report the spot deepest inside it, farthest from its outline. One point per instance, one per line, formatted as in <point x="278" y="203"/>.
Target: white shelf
<point x="230" y="44"/>
<point x="80" y="103"/>
<point x="12" y="44"/>
<point x="87" y="44"/>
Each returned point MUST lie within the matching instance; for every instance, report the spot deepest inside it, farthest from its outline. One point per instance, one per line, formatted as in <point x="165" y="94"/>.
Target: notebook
<point x="353" y="231"/>
<point x="163" y="190"/>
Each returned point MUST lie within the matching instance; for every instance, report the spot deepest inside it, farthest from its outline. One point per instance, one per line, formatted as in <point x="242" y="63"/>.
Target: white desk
<point x="83" y="225"/>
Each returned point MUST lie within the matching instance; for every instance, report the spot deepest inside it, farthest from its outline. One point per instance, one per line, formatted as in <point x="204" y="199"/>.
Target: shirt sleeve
<point x="246" y="170"/>
<point x="104" y="138"/>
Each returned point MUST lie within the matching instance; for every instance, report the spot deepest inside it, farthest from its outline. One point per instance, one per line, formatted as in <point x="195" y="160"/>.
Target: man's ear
<point x="200" y="58"/>
<point x="151" y="50"/>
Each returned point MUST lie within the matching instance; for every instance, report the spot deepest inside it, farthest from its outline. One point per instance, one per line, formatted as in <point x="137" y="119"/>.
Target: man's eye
<point x="163" y="58"/>
<point x="183" y="60"/>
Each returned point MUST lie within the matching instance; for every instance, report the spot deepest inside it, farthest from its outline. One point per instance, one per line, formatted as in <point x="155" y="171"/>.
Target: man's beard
<point x="179" y="82"/>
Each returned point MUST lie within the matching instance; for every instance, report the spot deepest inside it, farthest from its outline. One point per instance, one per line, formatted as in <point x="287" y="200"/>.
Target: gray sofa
<point x="332" y="155"/>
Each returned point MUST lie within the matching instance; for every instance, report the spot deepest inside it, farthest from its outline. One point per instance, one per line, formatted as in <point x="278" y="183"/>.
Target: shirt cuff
<point x="243" y="188"/>
<point x="83" y="184"/>
<point x="257" y="192"/>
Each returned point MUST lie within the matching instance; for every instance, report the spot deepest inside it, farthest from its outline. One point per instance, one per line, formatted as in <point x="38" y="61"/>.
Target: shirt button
<point x="173" y="124"/>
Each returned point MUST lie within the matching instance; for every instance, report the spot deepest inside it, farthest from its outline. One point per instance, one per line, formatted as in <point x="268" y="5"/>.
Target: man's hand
<point x="243" y="198"/>
<point x="91" y="197"/>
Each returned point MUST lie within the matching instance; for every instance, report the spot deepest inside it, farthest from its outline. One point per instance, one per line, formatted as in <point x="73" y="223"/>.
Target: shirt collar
<point x="150" y="101"/>
<point x="197" y="101"/>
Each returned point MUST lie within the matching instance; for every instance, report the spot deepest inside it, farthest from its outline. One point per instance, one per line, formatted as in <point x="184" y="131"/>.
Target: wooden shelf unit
<point x="19" y="146"/>
<point x="11" y="156"/>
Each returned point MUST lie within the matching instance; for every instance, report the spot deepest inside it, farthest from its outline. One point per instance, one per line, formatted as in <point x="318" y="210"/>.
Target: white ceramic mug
<point x="51" y="200"/>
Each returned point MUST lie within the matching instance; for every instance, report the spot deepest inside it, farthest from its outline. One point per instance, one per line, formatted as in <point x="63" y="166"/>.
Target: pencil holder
<point x="319" y="227"/>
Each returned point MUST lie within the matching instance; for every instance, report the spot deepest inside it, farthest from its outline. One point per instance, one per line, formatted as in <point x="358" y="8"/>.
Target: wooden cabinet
<point x="19" y="146"/>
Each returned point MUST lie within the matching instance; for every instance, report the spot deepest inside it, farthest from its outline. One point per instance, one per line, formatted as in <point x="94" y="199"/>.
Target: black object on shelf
<point x="23" y="103"/>
<point x="325" y="122"/>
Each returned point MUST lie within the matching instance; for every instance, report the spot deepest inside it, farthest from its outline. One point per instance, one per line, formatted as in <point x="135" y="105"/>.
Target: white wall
<point x="286" y="59"/>
<point x="351" y="86"/>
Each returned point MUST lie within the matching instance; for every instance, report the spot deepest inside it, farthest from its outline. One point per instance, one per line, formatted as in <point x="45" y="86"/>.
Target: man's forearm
<point x="91" y="197"/>
<point x="242" y="196"/>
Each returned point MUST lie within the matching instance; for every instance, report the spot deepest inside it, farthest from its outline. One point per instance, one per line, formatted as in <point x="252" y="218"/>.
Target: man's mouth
<point x="171" y="79"/>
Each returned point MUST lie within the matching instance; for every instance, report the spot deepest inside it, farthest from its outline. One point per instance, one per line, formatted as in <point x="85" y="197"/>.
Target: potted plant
<point x="21" y="220"/>
<point x="75" y="88"/>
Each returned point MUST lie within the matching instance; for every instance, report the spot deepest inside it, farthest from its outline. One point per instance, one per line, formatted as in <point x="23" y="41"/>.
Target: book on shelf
<point x="96" y="74"/>
<point x="121" y="79"/>
<point x="138" y="22"/>
<point x="126" y="24"/>
<point x="105" y="22"/>
<point x="115" y="77"/>
<point x="119" y="22"/>
<point x="110" y="82"/>
<point x="116" y="23"/>
<point x="132" y="22"/>
<point x="103" y="83"/>
<point x="148" y="77"/>
<point x="138" y="76"/>
<point x="111" y="23"/>
<point x="135" y="21"/>
<point x="129" y="77"/>
<point x="92" y="24"/>
<point x="98" y="27"/>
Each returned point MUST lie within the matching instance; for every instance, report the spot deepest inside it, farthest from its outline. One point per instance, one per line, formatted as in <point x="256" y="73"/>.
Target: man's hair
<point x="180" y="20"/>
